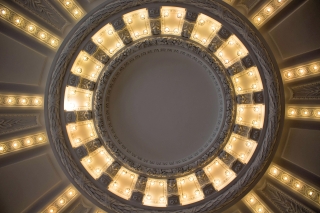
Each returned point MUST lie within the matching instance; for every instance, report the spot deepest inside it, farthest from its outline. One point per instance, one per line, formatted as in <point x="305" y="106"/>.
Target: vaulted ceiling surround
<point x="159" y="106"/>
<point x="120" y="116"/>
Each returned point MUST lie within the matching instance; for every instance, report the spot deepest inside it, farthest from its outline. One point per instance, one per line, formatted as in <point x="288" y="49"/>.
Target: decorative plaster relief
<point x="46" y="11"/>
<point x="16" y="122"/>
<point x="309" y="91"/>
<point x="283" y="202"/>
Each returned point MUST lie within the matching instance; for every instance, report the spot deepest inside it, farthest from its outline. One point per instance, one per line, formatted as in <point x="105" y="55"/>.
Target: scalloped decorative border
<point x="59" y="70"/>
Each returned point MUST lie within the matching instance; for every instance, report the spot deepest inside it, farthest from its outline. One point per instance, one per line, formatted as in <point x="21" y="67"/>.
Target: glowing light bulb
<point x="274" y="171"/>
<point x="201" y="21"/>
<point x="197" y="192"/>
<point x="289" y="74"/>
<point x="301" y="71"/>
<point x="108" y="159"/>
<point x="297" y="185"/>
<point x="51" y="210"/>
<point x="15" y="144"/>
<point x="70" y="193"/>
<point x="131" y="176"/>
<point x="161" y="199"/>
<point x="136" y="34"/>
<point x="166" y="29"/>
<point x="231" y="42"/>
<point x="36" y="101"/>
<point x="241" y="109"/>
<point x="196" y="36"/>
<point x="190" y="178"/>
<point x="79" y="70"/>
<point x="149" y="197"/>
<point x="285" y="177"/>
<point x="43" y="35"/>
<point x="142" y="16"/>
<point x="305" y="112"/>
<point x="127" y="190"/>
<point x="145" y="32"/>
<point x="204" y="40"/>
<point x="234" y="138"/>
<point x="161" y="183"/>
<point x="152" y="183"/>
<point x="260" y="209"/>
<point x="179" y="15"/>
<point x="124" y="172"/>
<point x="89" y="160"/>
<point x="258" y="19"/>
<point x="77" y="140"/>
<point x="73" y="92"/>
<point x="110" y="32"/>
<point x="229" y="147"/>
<point x="310" y="193"/>
<point x="68" y="3"/>
<point x="256" y="109"/>
<point x="118" y="44"/>
<point x="254" y="86"/>
<point x="31" y="28"/>
<point x="251" y="200"/>
<point x="209" y="169"/>
<point x="216" y="163"/>
<point x="62" y="201"/>
<point x="239" y="53"/>
<point x="18" y="20"/>
<point x="98" y="170"/>
<point x="98" y="67"/>
<point x="93" y="75"/>
<point x="268" y="9"/>
<point x="217" y="181"/>
<point x="76" y="12"/>
<point x="176" y="30"/>
<point x="242" y="156"/>
<point x="240" y="118"/>
<point x="111" y="51"/>
<point x="91" y="134"/>
<point x="166" y="14"/>
<point x="227" y="173"/>
<point x="115" y="184"/>
<point x="99" y="40"/>
<point x="85" y="58"/>
<point x="226" y="61"/>
<point x="279" y="1"/>
<point x="23" y="100"/>
<point x="10" y="100"/>
<point x="3" y="12"/>
<point x="53" y="41"/>
<point x="250" y="73"/>
<point x="248" y="143"/>
<point x="182" y="181"/>
<point x="255" y="123"/>
<point x="220" y="54"/>
<point x="1" y="148"/>
<point x="28" y="141"/>
<point x="184" y="196"/>
<point x="74" y="128"/>
<point x="237" y="80"/>
<point x="129" y="20"/>
<point x="213" y="28"/>
<point x="315" y="67"/>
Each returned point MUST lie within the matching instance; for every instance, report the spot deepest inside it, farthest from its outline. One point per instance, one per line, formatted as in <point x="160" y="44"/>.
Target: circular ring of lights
<point x="263" y="101"/>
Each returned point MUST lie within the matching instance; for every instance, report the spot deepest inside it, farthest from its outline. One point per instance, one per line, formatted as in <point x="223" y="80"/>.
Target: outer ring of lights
<point x="59" y="69"/>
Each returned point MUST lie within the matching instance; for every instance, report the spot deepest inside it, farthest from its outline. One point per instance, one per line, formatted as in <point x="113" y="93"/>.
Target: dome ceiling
<point x="163" y="106"/>
<point x="159" y="106"/>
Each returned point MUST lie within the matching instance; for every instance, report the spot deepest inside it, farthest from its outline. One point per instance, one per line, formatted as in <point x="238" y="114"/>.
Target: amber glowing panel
<point x="22" y="143"/>
<point x="108" y="40"/>
<point x="250" y="115"/>
<point x="97" y="162"/>
<point x="204" y="30"/>
<point x="189" y="189"/>
<point x="28" y="27"/>
<point x="20" y="101"/>
<point x="295" y="183"/>
<point x="87" y="66"/>
<point x="240" y="147"/>
<point x="123" y="183"/>
<point x="231" y="51"/>
<point x="247" y="81"/>
<point x="63" y="200"/>
<point x="73" y="8"/>
<point x="81" y="132"/>
<point x="270" y="9"/>
<point x="77" y="99"/>
<point x="219" y="174"/>
<point x="255" y="203"/>
<point x="302" y="71"/>
<point x="138" y="24"/>
<point x="303" y="112"/>
<point x="155" y="193"/>
<point x="172" y="19"/>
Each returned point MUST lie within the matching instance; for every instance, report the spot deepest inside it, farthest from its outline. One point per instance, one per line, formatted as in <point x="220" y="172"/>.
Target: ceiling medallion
<point x="163" y="107"/>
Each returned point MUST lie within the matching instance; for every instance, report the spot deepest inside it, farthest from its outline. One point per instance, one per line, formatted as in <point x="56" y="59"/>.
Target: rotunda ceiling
<point x="163" y="105"/>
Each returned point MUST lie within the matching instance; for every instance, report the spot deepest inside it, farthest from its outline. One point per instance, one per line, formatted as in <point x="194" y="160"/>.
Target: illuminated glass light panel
<point x="303" y="112"/>
<point x="87" y="66"/>
<point x="229" y="1"/>
<point x="231" y="51"/>
<point x="62" y="200"/>
<point x="255" y="203"/>
<point x="204" y="30"/>
<point x="22" y="143"/>
<point x="20" y="101"/>
<point x="240" y="147"/>
<point x="172" y="19"/>
<point x="270" y="9"/>
<point x="28" y="27"/>
<point x="302" y="71"/>
<point x="251" y="115"/>
<point x="138" y="24"/>
<point x="189" y="189"/>
<point x="219" y="174"/>
<point x="247" y="81"/>
<point x="155" y="193"/>
<point x="294" y="183"/>
<point x="123" y="183"/>
<point x="108" y="40"/>
<point x="97" y="162"/>
<point x="81" y="132"/>
<point x="73" y="8"/>
<point x="77" y="99"/>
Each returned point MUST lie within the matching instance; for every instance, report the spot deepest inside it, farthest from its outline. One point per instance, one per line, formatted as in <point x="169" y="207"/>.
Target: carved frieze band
<point x="16" y="122"/>
<point x="309" y="91"/>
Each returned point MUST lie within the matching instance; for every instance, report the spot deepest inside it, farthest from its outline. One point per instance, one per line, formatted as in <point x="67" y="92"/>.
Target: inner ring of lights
<point x="244" y="82"/>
